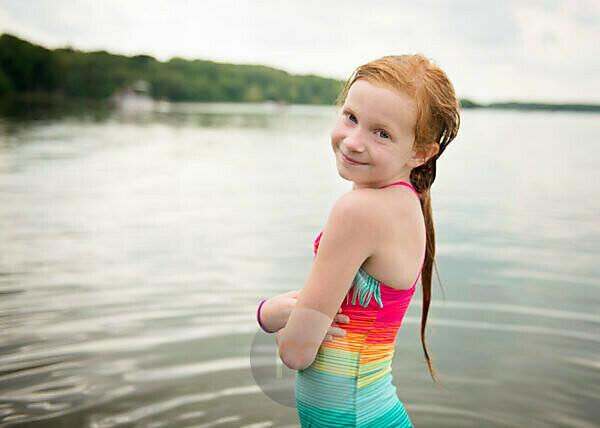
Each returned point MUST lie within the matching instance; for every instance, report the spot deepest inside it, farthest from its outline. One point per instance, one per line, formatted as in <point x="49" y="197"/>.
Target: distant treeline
<point x="26" y="68"/>
<point x="513" y="105"/>
<point x="29" y="71"/>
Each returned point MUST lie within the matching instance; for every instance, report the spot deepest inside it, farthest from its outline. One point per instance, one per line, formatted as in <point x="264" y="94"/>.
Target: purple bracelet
<point x="258" y="317"/>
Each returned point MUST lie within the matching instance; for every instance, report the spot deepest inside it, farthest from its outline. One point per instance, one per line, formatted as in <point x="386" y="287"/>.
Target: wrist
<point x="260" y="317"/>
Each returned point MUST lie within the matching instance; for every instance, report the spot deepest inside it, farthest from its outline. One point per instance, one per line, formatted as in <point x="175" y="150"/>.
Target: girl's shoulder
<point x="357" y="204"/>
<point x="382" y="211"/>
<point x="383" y="204"/>
<point x="363" y="204"/>
<point x="356" y="214"/>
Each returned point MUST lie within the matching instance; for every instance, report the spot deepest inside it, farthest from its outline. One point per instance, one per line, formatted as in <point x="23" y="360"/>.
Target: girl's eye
<point x="383" y="134"/>
<point x="350" y="116"/>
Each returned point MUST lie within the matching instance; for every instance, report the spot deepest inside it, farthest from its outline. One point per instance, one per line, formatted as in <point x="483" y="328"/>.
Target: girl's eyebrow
<point x="383" y="125"/>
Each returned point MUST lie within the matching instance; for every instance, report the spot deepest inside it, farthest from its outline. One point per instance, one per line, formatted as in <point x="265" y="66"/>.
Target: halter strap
<point x="402" y="183"/>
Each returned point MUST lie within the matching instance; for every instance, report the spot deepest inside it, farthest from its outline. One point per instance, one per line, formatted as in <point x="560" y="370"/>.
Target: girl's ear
<point x="423" y="155"/>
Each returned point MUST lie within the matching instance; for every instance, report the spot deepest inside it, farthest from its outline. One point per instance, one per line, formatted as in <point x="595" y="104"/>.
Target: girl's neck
<point x="378" y="185"/>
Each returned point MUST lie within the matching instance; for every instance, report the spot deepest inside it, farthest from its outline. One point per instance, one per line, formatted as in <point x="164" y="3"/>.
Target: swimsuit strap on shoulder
<point x="402" y="183"/>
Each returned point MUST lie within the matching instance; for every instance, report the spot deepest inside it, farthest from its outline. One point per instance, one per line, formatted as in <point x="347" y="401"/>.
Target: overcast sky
<point x="492" y="50"/>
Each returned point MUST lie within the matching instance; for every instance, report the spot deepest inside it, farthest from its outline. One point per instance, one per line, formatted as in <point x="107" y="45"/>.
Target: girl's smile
<point x="351" y="161"/>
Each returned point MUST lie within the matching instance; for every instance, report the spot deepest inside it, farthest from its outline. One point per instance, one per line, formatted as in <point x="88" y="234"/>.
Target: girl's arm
<point x="275" y="312"/>
<point x="353" y="232"/>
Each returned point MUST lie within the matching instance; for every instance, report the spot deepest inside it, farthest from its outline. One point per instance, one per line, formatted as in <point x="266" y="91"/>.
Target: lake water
<point x="134" y="249"/>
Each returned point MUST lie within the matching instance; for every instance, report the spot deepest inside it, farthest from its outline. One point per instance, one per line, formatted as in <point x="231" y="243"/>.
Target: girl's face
<point x="376" y="130"/>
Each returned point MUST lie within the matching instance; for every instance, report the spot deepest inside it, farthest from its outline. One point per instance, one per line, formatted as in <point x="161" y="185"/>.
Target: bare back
<point x="398" y="257"/>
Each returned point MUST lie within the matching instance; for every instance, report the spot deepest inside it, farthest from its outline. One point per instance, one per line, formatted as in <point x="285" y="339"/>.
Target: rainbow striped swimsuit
<point x="350" y="382"/>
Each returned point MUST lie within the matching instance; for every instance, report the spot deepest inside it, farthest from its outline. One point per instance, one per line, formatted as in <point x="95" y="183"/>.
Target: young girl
<point x="398" y="114"/>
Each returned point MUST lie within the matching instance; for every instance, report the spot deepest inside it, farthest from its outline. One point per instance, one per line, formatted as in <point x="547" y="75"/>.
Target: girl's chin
<point x="346" y="173"/>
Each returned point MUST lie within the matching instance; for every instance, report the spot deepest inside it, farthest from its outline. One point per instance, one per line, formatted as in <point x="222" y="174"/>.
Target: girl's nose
<point x="354" y="141"/>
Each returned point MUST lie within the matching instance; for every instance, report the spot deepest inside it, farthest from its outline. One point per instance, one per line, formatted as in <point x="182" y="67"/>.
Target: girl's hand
<point x="334" y="329"/>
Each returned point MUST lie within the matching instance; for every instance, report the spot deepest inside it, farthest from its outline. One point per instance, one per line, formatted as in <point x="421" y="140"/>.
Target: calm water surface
<point x="136" y="247"/>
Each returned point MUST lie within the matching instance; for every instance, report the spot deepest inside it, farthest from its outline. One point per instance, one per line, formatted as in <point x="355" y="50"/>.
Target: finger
<point x="342" y="318"/>
<point x="336" y="331"/>
<point x="339" y="310"/>
<point x="293" y="294"/>
<point x="328" y="338"/>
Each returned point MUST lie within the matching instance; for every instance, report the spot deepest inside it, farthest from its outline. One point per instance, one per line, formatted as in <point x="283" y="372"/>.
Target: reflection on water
<point x="135" y="249"/>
